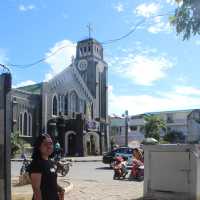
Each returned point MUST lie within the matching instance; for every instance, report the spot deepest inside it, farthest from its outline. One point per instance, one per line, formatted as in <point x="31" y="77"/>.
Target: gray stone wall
<point x="5" y="130"/>
<point x="64" y="83"/>
<point x="22" y="102"/>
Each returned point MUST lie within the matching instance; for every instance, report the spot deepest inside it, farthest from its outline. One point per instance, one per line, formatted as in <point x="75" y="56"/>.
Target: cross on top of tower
<point x="89" y="29"/>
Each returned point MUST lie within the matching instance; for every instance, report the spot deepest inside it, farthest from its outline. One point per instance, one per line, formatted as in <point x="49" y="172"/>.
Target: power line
<point x="38" y="61"/>
<point x="23" y="66"/>
<point x="135" y="28"/>
<point x="5" y="68"/>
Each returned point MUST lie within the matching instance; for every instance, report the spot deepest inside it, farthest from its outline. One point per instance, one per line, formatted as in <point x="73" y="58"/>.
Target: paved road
<point x="93" y="181"/>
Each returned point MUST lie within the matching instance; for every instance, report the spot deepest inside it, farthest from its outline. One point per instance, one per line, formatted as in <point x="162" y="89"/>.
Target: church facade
<point x="72" y="107"/>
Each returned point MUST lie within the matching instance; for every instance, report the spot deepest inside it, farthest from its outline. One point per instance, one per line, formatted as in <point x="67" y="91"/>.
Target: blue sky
<point x="151" y="70"/>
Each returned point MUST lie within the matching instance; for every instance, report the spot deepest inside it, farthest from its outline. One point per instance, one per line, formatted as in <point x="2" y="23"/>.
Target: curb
<point x="69" y="188"/>
<point x="70" y="160"/>
<point x="86" y="160"/>
<point x="18" y="195"/>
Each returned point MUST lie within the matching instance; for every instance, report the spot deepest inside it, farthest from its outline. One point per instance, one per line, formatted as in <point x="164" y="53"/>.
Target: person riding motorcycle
<point x="57" y="149"/>
<point x="138" y="164"/>
<point x="119" y="167"/>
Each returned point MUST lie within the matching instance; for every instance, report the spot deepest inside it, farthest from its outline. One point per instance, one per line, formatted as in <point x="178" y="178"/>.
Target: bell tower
<point x="93" y="69"/>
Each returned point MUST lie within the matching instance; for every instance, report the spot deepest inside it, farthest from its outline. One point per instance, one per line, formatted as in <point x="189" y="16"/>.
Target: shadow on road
<point x="104" y="168"/>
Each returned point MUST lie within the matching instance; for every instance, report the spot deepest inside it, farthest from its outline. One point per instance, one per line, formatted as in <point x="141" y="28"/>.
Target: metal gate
<point x="170" y="172"/>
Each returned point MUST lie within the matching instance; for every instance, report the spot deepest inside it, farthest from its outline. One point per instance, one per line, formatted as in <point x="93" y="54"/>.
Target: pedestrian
<point x="42" y="172"/>
<point x="57" y="151"/>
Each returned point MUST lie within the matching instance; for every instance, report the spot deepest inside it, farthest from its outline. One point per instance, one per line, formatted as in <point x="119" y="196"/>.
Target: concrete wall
<point x="177" y="174"/>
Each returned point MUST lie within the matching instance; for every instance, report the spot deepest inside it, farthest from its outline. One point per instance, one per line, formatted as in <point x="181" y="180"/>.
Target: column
<point x="5" y="130"/>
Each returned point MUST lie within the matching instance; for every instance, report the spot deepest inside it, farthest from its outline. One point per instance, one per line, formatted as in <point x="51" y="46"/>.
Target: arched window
<point x="85" y="107"/>
<point x="92" y="110"/>
<point x="74" y="102"/>
<point x="30" y="125"/>
<point x="63" y="104"/>
<point x="25" y="127"/>
<point x="66" y="104"/>
<point x="55" y="105"/>
<point x="20" y="123"/>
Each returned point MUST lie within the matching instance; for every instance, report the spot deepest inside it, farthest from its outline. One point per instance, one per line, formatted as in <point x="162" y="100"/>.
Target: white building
<point x="175" y="121"/>
<point x="117" y="130"/>
<point x="194" y="126"/>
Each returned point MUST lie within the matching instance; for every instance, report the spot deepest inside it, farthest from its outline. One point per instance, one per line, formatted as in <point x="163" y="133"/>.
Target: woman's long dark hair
<point x="36" y="155"/>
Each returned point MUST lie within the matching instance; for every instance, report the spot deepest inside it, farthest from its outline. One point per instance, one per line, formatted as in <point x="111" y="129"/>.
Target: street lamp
<point x="126" y="128"/>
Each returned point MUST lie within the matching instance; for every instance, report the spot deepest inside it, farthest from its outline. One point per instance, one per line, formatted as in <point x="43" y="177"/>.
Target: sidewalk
<point x="73" y="159"/>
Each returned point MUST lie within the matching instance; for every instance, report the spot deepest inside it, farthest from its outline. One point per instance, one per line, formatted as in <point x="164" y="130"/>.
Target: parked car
<point x="125" y="152"/>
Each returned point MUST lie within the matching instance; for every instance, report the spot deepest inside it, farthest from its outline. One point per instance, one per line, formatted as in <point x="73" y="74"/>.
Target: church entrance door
<point x="92" y="143"/>
<point x="71" y="144"/>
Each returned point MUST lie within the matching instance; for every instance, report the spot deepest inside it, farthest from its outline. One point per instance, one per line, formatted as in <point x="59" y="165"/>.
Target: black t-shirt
<point x="48" y="180"/>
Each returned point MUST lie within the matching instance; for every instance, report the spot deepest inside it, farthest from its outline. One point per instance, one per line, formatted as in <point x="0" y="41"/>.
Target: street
<point x="94" y="181"/>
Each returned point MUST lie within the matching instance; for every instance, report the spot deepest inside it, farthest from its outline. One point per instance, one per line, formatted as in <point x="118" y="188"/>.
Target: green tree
<point x="17" y="143"/>
<point x="186" y="18"/>
<point x="153" y="126"/>
<point x="173" y="136"/>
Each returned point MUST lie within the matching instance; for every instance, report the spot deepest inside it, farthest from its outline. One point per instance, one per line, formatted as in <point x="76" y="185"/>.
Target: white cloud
<point x="171" y="2"/>
<point x="147" y="10"/>
<point x="24" y="83"/>
<point x="187" y="90"/>
<point x="143" y="69"/>
<point x="137" y="104"/>
<point x="159" y="25"/>
<point x="64" y="50"/>
<point x="197" y="42"/>
<point x="119" y="7"/>
<point x="156" y="23"/>
<point x="174" y="2"/>
<point x="25" y="8"/>
<point x="3" y="56"/>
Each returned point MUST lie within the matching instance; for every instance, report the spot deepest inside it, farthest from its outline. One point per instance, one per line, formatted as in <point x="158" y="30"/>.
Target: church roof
<point x="89" y="40"/>
<point x="34" y="89"/>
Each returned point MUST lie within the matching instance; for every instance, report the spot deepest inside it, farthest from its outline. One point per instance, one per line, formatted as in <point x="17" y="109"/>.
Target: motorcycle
<point x="119" y="168"/>
<point x="62" y="166"/>
<point x="24" y="166"/>
<point x="137" y="171"/>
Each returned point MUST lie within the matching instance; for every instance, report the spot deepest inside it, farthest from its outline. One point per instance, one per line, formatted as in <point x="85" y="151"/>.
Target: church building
<point x="72" y="107"/>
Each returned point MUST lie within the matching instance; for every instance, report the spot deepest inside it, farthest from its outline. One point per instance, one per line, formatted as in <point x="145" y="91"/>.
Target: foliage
<point x="17" y="143"/>
<point x="162" y="141"/>
<point x="153" y="126"/>
<point x="186" y="18"/>
<point x="112" y="142"/>
<point x="174" y="136"/>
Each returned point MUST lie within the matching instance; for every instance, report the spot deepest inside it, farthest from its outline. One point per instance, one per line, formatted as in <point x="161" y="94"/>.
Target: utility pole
<point x="126" y="128"/>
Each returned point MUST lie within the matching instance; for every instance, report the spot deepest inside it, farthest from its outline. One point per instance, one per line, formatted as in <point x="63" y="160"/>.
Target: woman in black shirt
<point x="42" y="172"/>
